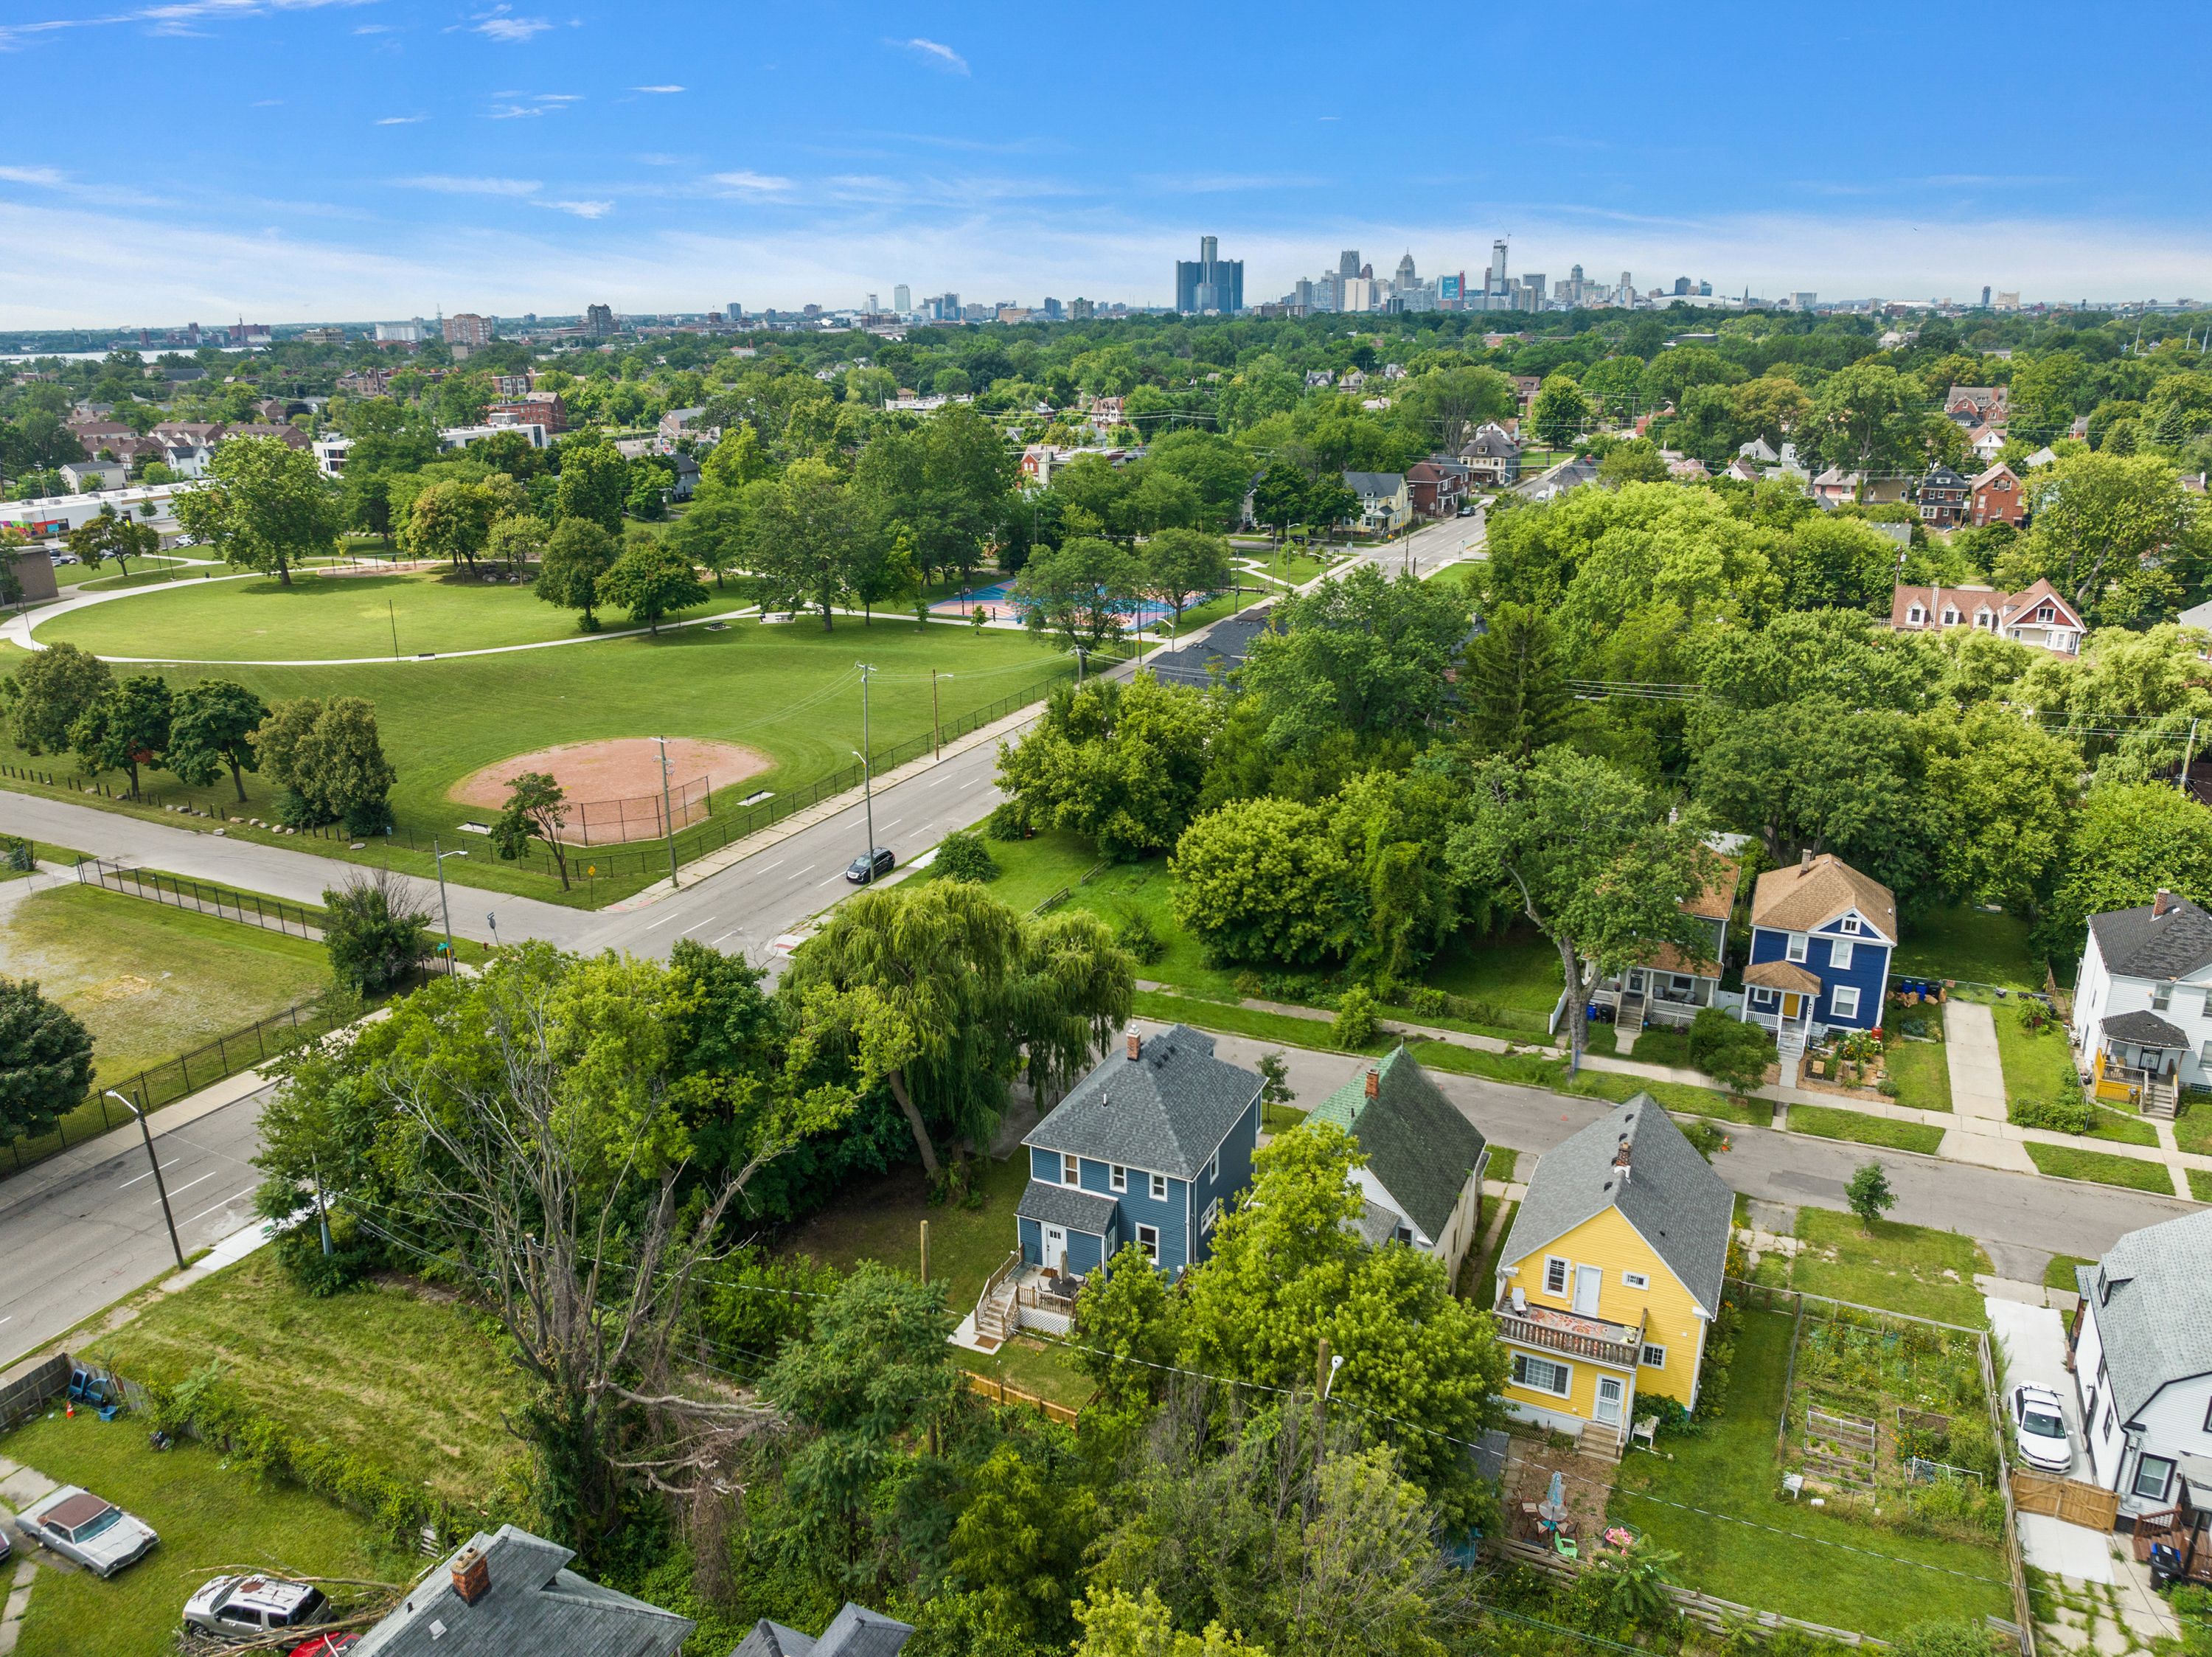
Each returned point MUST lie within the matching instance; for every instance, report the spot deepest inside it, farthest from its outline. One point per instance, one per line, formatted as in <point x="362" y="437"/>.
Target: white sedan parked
<point x="2039" y="1437"/>
<point x="77" y="1524"/>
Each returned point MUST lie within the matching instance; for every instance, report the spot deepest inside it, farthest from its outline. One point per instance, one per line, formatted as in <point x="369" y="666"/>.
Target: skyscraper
<point x="1985" y="295"/>
<point x="872" y="304"/>
<point x="1347" y="262"/>
<point x="1406" y="281"/>
<point x="1498" y="267"/>
<point x="901" y="299"/>
<point x="600" y="320"/>
<point x="1209" y="282"/>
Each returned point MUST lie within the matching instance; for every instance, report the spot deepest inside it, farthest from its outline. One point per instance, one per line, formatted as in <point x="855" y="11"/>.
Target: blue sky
<point x="288" y="160"/>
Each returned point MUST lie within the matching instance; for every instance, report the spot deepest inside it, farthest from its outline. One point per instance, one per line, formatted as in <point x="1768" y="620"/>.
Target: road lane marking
<point x="696" y="925"/>
<point x="663" y="921"/>
<point x="127" y="1183"/>
<point x="225" y="1203"/>
<point x="202" y="1180"/>
<point x="731" y="933"/>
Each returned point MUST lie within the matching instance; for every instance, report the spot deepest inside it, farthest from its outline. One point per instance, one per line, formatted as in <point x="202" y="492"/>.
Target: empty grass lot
<point x="2100" y="1167"/>
<point x="1517" y="973"/>
<point x="209" y="1516"/>
<point x="1971" y="945"/>
<point x="1862" y="1129"/>
<point x="790" y="690"/>
<point x="414" y="1383"/>
<point x="1911" y="1269"/>
<point x="1922" y="1072"/>
<point x="149" y="982"/>
<point x="1872" y="1581"/>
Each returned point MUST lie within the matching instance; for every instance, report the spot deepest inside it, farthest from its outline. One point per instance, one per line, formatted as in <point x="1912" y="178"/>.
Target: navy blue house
<point x="1150" y="1148"/>
<point x="1821" y="937"/>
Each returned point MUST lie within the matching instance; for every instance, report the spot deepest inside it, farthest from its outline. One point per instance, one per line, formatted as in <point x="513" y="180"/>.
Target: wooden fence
<point x="24" y="1395"/>
<point x="2068" y="1499"/>
<point x="999" y="1392"/>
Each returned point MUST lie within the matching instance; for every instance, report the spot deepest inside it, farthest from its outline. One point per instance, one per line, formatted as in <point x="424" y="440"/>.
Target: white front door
<point x="1589" y="1279"/>
<point x="1607" y="1410"/>
<point x="1055" y="1247"/>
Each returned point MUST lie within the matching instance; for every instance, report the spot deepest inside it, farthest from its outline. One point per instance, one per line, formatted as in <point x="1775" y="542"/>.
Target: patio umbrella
<point x="1556" y="1496"/>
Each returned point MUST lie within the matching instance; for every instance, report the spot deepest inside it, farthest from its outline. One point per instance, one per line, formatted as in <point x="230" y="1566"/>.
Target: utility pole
<point x="1324" y="1372"/>
<point x="444" y="908"/>
<point x="867" y="772"/>
<point x="161" y="1186"/>
<point x="936" y="724"/>
<point x="924" y="1253"/>
<point x="667" y="812"/>
<point x="2188" y="753"/>
<point x="322" y="1208"/>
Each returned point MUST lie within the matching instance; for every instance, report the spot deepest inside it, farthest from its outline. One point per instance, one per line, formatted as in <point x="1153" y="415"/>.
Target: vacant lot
<point x="212" y="1518"/>
<point x="1971" y="945"/>
<point x="410" y="1381"/>
<point x="1748" y="1545"/>
<point x="150" y="982"/>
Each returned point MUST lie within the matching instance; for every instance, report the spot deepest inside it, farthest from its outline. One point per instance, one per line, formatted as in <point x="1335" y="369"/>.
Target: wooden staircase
<point x="997" y="1311"/>
<point x="1600" y="1440"/>
<point x="1628" y="1016"/>
<point x="2161" y="1098"/>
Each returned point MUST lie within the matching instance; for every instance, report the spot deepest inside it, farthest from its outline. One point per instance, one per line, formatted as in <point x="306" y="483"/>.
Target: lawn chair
<point x="1793" y="1484"/>
<point x="1563" y="1545"/>
<point x="1645" y="1431"/>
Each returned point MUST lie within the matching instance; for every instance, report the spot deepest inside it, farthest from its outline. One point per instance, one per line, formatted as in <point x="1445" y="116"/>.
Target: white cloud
<point x="400" y="121"/>
<point x="759" y="184"/>
<point x="31" y="175"/>
<point x="447" y="184"/>
<point x="558" y="98"/>
<point x="936" y="54"/>
<point x="582" y="210"/>
<point x="175" y="17"/>
<point x="500" y="23"/>
<point x="664" y="89"/>
<point x="513" y="111"/>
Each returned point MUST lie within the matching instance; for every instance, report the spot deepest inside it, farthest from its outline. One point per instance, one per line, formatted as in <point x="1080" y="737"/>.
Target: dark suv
<point x="862" y="870"/>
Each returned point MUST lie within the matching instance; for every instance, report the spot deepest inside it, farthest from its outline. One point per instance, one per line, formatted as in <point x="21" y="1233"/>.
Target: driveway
<point x="2035" y="1341"/>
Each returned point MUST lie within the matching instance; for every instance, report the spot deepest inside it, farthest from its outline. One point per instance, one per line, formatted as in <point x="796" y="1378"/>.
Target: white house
<point x="53" y="516"/>
<point x="2141" y="1027"/>
<point x="2142" y="1368"/>
<point x="331" y="455"/>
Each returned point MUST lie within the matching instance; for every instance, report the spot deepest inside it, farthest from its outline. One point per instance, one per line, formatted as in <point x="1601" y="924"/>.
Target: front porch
<point x="2177" y="1541"/>
<point x="1780" y="997"/>
<point x="1021" y="1294"/>
<point x="2137" y="1061"/>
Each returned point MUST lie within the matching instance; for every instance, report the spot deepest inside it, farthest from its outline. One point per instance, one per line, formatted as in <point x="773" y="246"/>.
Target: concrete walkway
<point x="1977" y="1131"/>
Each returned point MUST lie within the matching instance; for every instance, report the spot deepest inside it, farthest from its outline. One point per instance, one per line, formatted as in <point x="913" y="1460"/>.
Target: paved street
<point x="73" y="1246"/>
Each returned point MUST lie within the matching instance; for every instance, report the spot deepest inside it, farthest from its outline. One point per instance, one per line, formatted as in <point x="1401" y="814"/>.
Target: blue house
<point x="1821" y="937"/>
<point x="1149" y="1148"/>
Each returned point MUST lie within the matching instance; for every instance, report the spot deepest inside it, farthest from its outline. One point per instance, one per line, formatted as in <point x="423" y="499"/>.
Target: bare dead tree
<point x="585" y="1253"/>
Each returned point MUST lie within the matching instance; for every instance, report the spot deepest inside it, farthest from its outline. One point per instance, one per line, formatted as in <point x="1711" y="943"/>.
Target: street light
<point x="936" y="724"/>
<point x="160" y="1185"/>
<point x="867" y="805"/>
<point x="444" y="908"/>
<point x="667" y="812"/>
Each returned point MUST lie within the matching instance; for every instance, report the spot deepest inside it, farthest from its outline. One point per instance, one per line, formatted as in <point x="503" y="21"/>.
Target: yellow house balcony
<point x="1574" y="1334"/>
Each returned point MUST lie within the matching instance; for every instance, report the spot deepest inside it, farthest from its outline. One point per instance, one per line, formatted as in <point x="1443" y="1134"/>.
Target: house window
<point x="1542" y="1375"/>
<point x="1761" y="997"/>
<point x="1915" y="615"/>
<point x="1844" y="1001"/>
<point x="1655" y="1357"/>
<point x="1635" y="1280"/>
<point x="2161" y="997"/>
<point x="1851" y="924"/>
<point x="1840" y="953"/>
<point x="2207" y="1417"/>
<point x="2089" y="1413"/>
<point x="1071" y="1171"/>
<point x="1117" y="1176"/>
<point x="2152" y="1474"/>
<point x="2108" y="1421"/>
<point x="1210" y="1218"/>
<point x="1213" y="1167"/>
<point x="1950" y="617"/>
<point x="1555" y="1275"/>
<point x="1159" y="1188"/>
<point x="1797" y="946"/>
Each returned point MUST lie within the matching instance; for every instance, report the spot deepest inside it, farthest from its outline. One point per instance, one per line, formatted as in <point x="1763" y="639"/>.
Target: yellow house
<point x="1612" y="1276"/>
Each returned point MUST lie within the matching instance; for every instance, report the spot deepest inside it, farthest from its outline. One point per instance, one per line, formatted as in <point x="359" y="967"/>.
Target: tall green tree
<point x="1122" y="765"/>
<point x="2132" y="841"/>
<point x="1515" y="685"/>
<point x="262" y="506"/>
<point x="126" y="728"/>
<point x="2117" y="535"/>
<point x="1078" y="594"/>
<point x="712" y="533"/>
<point x="577" y="554"/>
<point x="1279" y="498"/>
<point x="1590" y="857"/>
<point x="594" y="484"/>
<point x="377" y="936"/>
<point x="1261" y="882"/>
<point x="110" y="535"/>
<point x="537" y="807"/>
<point x="49" y="693"/>
<point x="1559" y="412"/>
<point x="651" y="580"/>
<point x="327" y="758"/>
<point x="211" y="727"/>
<point x="807" y="532"/>
<point x="46" y="1061"/>
<point x="1180" y="565"/>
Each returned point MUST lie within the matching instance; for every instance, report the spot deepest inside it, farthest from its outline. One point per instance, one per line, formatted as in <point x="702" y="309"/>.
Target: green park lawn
<point x="790" y="690"/>
<point x="329" y="617"/>
<point x="150" y="982"/>
<point x="1969" y="944"/>
<point x="404" y="1378"/>
<point x="212" y="1517"/>
<point x="1862" y="1129"/>
<point x="1716" y="1499"/>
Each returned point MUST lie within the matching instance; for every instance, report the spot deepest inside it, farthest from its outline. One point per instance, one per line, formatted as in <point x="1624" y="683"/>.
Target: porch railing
<point x="1533" y="1328"/>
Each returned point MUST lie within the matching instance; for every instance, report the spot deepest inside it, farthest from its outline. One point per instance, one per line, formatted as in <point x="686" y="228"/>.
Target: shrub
<point x="1734" y="1053"/>
<point x="2035" y="1015"/>
<point x="374" y="933"/>
<point x="963" y="856"/>
<point x="1004" y="823"/>
<point x="1356" y="1023"/>
<point x="1140" y="938"/>
<point x="1949" y="1638"/>
<point x="2070" y="1112"/>
<point x="1706" y="1137"/>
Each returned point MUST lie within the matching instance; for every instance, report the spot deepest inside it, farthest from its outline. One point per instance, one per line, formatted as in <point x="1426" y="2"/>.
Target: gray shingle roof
<point x="1226" y="644"/>
<point x="2156" y="1316"/>
<point x="1375" y="482"/>
<point x="1678" y="1204"/>
<point x="2137" y="944"/>
<point x="534" y="1604"/>
<point x="2147" y="1028"/>
<point x="1167" y="1111"/>
<point x="1418" y="1145"/>
<point x="855" y="1631"/>
<point x="1060" y="1205"/>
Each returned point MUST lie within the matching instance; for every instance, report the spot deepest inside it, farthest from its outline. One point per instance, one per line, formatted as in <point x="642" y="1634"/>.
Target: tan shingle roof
<point x="1718" y="898"/>
<point x="1781" y="975"/>
<point x="1804" y="896"/>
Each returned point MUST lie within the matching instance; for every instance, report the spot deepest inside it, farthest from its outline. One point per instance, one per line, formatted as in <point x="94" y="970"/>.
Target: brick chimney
<point x="2161" y="903"/>
<point x="471" y="1575"/>
<point x="1620" y="1161"/>
<point x="1136" y="1045"/>
<point x="1805" y="860"/>
<point x="1374" y="1081"/>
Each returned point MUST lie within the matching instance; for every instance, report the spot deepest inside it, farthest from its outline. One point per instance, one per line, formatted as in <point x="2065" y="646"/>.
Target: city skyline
<point x="385" y="157"/>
